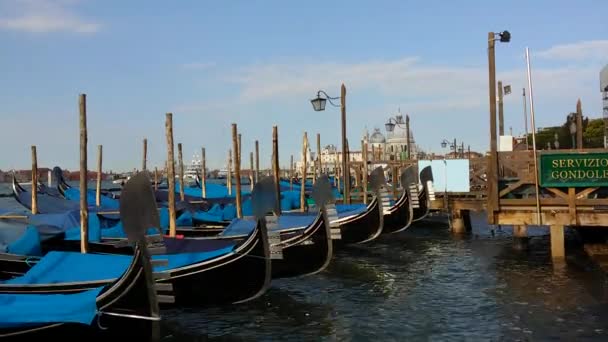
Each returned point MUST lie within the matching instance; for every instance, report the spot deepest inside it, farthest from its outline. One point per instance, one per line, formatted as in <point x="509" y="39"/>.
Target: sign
<point x="451" y="175"/>
<point x="573" y="169"/>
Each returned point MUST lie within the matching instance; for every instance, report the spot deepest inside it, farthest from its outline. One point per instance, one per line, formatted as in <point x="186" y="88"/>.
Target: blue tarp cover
<point x="246" y="226"/>
<point x="23" y="310"/>
<point x="185" y="259"/>
<point x="63" y="267"/>
<point x="73" y="194"/>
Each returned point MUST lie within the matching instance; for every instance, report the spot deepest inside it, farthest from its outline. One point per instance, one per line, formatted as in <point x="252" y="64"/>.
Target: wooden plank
<point x="572" y="204"/>
<point x="558" y="193"/>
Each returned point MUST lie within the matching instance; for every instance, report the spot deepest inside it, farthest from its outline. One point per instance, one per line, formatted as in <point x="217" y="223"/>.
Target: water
<point x="421" y="285"/>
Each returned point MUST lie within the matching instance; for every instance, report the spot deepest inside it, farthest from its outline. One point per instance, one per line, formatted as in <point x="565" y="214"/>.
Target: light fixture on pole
<point x="318" y="104"/>
<point x="492" y="194"/>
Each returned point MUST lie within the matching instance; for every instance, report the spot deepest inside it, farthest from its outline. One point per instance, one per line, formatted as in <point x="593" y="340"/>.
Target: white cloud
<point x="42" y="16"/>
<point x="579" y="51"/>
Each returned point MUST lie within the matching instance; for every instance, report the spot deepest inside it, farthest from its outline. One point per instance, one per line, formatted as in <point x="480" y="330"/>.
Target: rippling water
<point x="422" y="284"/>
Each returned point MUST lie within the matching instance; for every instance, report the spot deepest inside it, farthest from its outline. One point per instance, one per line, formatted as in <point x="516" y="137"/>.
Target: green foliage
<point x="593" y="135"/>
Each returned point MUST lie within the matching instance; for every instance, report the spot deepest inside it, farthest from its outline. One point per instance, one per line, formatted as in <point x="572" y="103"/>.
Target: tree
<point x="593" y="135"/>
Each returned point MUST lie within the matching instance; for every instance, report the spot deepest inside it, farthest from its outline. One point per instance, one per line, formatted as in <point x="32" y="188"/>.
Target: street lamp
<point x="504" y="37"/>
<point x="398" y="121"/>
<point x="318" y="104"/>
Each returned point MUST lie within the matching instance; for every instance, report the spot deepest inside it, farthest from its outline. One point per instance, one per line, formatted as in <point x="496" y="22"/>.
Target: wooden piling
<point x="229" y="173"/>
<point x="257" y="161"/>
<point x="304" y="173"/>
<point x="237" y="170"/>
<point x="291" y="173"/>
<point x="84" y="212"/>
<point x="170" y="172"/>
<point x="365" y="172"/>
<point x="34" y="181"/>
<point x="180" y="160"/>
<point x="145" y="155"/>
<point x="203" y="174"/>
<point x="98" y="184"/>
<point x="579" y="125"/>
<point x="276" y="167"/>
<point x="155" y="178"/>
<point x="319" y="154"/>
<point x="558" y="250"/>
<point x="251" y="176"/>
<point x="501" y="119"/>
<point x="407" y="136"/>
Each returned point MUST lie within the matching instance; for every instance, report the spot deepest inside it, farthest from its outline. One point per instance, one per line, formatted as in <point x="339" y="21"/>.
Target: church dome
<point x="377" y="137"/>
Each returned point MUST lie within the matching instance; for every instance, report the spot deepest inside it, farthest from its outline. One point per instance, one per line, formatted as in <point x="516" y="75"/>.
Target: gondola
<point x="368" y="225"/>
<point x="303" y="247"/>
<point x="425" y="195"/>
<point x="398" y="217"/>
<point x="54" y="301"/>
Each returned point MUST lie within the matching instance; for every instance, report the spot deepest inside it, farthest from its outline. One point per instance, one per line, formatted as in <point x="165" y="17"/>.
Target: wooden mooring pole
<point x="251" y="176"/>
<point x="145" y="155"/>
<point x="98" y="184"/>
<point x="203" y="174"/>
<point x="304" y="173"/>
<point x="170" y="172"/>
<point x="155" y="178"/>
<point x="229" y="174"/>
<point x="84" y="211"/>
<point x="237" y="170"/>
<point x="319" y="154"/>
<point x="180" y="161"/>
<point x="276" y="167"/>
<point x="34" y="181"/>
<point x="365" y="171"/>
<point x="257" y="161"/>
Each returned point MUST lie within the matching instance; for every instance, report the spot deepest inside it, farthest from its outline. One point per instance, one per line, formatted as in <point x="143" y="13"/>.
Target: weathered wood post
<point x="492" y="174"/>
<point x="291" y="173"/>
<point x="501" y="120"/>
<point x="34" y="181"/>
<point x="155" y="178"/>
<point x="229" y="174"/>
<point x="303" y="182"/>
<point x="520" y="236"/>
<point x="275" y="166"/>
<point x="257" y="161"/>
<point x="145" y="156"/>
<point x="251" y="175"/>
<point x="558" y="249"/>
<point x="237" y="170"/>
<point x="407" y="136"/>
<point x="98" y="184"/>
<point x="180" y="160"/>
<point x="203" y="173"/>
<point x="365" y="172"/>
<point x="579" y="125"/>
<point x="345" y="161"/>
<point x="457" y="223"/>
<point x="319" y="154"/>
<point x="84" y="210"/>
<point x="170" y="172"/>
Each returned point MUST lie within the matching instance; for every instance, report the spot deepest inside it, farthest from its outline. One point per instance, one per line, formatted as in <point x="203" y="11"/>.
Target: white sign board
<point x="451" y="175"/>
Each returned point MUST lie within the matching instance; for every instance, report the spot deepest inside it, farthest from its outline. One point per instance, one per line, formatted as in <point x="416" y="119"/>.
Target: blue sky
<point x="258" y="63"/>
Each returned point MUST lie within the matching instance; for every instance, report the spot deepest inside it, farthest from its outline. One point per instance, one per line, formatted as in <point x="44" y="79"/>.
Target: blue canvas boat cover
<point x="58" y="267"/>
<point x="345" y="210"/>
<point x="246" y="226"/>
<point x="25" y="310"/>
<point x="73" y="194"/>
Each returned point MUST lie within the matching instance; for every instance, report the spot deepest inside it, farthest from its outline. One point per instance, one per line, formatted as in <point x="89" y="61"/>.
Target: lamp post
<point x="398" y="121"/>
<point x="458" y="151"/>
<point x="505" y="37"/>
<point x="318" y="104"/>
